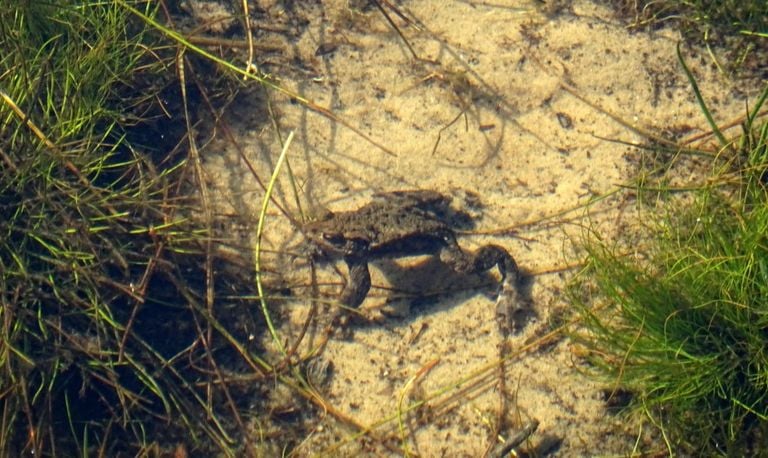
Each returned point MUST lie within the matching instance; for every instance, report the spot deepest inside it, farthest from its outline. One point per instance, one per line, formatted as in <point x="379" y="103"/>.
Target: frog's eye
<point x="333" y="239"/>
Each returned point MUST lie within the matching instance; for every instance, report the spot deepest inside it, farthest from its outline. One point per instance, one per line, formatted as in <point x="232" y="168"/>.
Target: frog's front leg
<point x="510" y="307"/>
<point x="358" y="284"/>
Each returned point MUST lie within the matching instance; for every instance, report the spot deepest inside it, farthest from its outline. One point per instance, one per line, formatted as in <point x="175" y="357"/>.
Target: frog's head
<point x="333" y="243"/>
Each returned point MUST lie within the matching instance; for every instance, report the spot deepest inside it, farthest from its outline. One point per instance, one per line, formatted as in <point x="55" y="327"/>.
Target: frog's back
<point x="380" y="219"/>
<point x="392" y="224"/>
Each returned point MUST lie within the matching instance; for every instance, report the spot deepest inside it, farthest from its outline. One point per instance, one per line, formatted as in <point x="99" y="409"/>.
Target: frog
<point x="405" y="223"/>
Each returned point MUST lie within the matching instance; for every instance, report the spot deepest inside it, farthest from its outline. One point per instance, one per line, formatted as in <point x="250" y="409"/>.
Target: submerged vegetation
<point x="104" y="285"/>
<point x="81" y="214"/>
<point x="677" y="313"/>
<point x="681" y="320"/>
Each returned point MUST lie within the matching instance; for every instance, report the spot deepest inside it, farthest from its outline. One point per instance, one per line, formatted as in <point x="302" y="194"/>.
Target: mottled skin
<point x="407" y="223"/>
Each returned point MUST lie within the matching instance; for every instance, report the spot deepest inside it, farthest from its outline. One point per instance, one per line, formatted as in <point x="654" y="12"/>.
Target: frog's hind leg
<point x="510" y="307"/>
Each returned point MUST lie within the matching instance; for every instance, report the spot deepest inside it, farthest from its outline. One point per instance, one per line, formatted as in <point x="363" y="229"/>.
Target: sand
<point x="522" y="99"/>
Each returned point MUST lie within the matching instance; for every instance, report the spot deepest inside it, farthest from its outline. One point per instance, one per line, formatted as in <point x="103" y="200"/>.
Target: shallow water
<point x="510" y="117"/>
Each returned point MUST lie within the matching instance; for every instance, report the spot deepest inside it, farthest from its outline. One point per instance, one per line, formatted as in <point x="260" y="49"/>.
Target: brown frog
<point x="408" y="223"/>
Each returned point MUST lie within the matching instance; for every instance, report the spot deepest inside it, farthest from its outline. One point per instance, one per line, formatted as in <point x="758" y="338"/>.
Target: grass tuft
<point x="684" y="326"/>
<point x="104" y="326"/>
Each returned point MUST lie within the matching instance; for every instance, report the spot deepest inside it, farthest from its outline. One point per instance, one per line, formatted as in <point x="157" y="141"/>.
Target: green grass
<point x="677" y="312"/>
<point x="101" y="289"/>
<point x="684" y="324"/>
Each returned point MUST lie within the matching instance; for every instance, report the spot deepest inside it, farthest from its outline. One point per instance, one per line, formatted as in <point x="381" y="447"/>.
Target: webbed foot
<point x="511" y="308"/>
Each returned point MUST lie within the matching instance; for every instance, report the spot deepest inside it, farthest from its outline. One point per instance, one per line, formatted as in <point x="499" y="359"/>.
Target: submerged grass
<point x="104" y="326"/>
<point x="684" y="326"/>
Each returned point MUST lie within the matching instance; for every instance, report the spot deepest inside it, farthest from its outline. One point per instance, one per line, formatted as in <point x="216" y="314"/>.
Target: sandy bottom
<point x="509" y="112"/>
